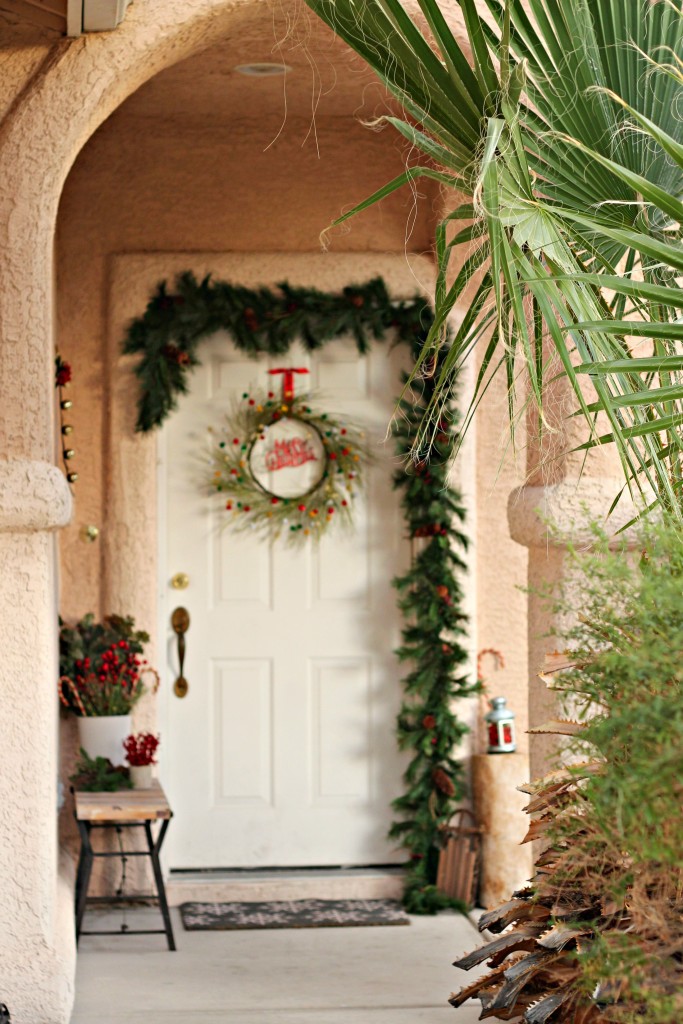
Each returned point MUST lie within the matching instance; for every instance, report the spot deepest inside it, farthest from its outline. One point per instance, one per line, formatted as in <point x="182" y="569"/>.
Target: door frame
<point x="134" y="573"/>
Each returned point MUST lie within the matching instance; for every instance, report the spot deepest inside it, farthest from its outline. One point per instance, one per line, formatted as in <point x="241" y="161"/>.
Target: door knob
<point x="180" y="620"/>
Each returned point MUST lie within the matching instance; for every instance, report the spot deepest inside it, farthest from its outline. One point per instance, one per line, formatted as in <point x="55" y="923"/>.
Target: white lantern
<point x="500" y="726"/>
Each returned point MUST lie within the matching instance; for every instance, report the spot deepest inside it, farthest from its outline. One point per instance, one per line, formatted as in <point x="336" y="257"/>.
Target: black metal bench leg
<point x="154" y="850"/>
<point x="85" y="863"/>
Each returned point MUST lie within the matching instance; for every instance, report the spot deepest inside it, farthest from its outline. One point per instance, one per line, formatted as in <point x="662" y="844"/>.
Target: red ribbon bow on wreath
<point x="288" y="382"/>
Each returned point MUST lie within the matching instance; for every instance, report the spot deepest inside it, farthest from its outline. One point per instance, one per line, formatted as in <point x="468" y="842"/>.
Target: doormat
<point x="207" y="917"/>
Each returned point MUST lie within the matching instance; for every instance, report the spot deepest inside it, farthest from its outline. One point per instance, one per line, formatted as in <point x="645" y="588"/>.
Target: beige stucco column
<point x="36" y="904"/>
<point x="546" y="519"/>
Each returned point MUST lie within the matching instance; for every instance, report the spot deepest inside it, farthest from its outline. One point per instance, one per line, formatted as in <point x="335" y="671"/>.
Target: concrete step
<point x="284" y="884"/>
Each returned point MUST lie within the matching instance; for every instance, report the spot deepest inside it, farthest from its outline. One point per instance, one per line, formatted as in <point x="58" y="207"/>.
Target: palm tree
<point x="561" y="131"/>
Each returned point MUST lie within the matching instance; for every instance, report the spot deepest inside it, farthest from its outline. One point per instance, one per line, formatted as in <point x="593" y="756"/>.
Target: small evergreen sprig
<point x="99" y="775"/>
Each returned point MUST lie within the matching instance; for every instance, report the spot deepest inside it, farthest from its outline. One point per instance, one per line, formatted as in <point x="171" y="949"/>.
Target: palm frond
<point x="560" y="126"/>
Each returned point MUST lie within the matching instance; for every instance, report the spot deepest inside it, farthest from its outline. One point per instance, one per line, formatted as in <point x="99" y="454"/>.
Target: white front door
<point x="283" y="752"/>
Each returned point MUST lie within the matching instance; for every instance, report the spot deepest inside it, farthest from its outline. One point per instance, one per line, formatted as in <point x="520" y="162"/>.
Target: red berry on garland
<point x="271" y="394"/>
<point x="342" y="431"/>
<point x="446" y="649"/>
<point x="250" y="318"/>
<point x="442" y="591"/>
<point x="344" y="503"/>
<point x="233" y="472"/>
<point x="246" y="508"/>
<point x="235" y="440"/>
<point x="273" y="501"/>
<point x="345" y="451"/>
<point x="330" y="511"/>
<point x="332" y="455"/>
<point x="429" y="721"/>
<point x="358" y="301"/>
<point x="252" y="402"/>
<point x="302" y="508"/>
<point x="228" y="505"/>
<point x="434" y="741"/>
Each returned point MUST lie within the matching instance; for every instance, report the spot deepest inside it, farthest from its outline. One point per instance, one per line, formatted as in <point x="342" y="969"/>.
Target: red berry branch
<point x="101" y="666"/>
<point x="141" y="748"/>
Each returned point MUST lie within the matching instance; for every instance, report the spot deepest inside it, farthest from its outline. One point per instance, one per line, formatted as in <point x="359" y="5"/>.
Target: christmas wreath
<point x="284" y="467"/>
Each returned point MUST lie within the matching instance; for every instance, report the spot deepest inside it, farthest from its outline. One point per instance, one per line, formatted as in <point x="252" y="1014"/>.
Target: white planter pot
<point x="103" y="736"/>
<point x="141" y="776"/>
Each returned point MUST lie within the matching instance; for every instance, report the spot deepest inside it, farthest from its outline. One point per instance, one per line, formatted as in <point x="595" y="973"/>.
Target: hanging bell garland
<point x="62" y="380"/>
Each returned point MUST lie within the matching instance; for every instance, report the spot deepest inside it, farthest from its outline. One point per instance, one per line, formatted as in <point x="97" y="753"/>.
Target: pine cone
<point x="443" y="782"/>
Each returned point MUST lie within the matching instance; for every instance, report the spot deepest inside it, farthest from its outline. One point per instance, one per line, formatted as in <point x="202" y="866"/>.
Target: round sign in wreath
<point x="283" y="467"/>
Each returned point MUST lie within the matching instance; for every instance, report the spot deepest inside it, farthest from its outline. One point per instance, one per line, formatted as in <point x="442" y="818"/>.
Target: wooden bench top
<point x="123" y="805"/>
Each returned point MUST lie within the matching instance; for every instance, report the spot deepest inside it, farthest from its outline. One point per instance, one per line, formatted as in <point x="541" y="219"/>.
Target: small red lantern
<point x="500" y="726"/>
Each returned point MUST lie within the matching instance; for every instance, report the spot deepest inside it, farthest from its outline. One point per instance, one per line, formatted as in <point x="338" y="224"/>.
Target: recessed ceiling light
<point x="262" y="69"/>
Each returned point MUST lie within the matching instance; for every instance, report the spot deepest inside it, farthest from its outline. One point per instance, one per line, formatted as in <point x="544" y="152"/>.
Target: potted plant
<point x="140" y="751"/>
<point x="101" y="669"/>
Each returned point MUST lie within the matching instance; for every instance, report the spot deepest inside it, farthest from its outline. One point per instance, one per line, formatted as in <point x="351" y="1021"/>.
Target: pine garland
<point x="259" y="321"/>
<point x="430" y="598"/>
<point x="265" y="321"/>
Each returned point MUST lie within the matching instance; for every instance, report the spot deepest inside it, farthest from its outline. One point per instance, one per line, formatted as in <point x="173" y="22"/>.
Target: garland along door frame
<point x="283" y="751"/>
<point x="132" y="536"/>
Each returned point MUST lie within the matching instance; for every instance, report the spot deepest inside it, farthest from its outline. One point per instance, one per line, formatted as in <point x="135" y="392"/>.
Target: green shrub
<point x="624" y="826"/>
<point x="598" y="935"/>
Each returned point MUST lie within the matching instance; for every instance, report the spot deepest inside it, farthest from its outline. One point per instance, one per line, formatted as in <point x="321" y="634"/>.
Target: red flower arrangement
<point x="141" y="748"/>
<point x="101" y="667"/>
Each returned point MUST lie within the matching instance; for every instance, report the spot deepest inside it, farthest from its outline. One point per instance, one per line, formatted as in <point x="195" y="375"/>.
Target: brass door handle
<point x="180" y="620"/>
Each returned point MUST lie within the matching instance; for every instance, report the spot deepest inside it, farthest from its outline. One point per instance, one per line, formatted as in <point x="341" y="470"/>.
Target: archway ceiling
<point x="327" y="79"/>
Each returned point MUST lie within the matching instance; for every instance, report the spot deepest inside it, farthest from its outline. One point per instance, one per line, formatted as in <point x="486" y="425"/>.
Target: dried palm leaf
<point x="559" y="727"/>
<point x="559" y="936"/>
<point x="541" y="1012"/>
<point x="506" y="914"/>
<point x="522" y="938"/>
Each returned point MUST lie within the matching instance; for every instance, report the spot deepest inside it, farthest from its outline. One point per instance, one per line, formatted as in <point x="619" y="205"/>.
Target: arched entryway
<point x="64" y="91"/>
<point x="63" y="94"/>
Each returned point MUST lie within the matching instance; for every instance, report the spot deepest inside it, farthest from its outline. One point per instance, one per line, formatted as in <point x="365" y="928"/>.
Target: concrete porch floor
<point x="376" y="975"/>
